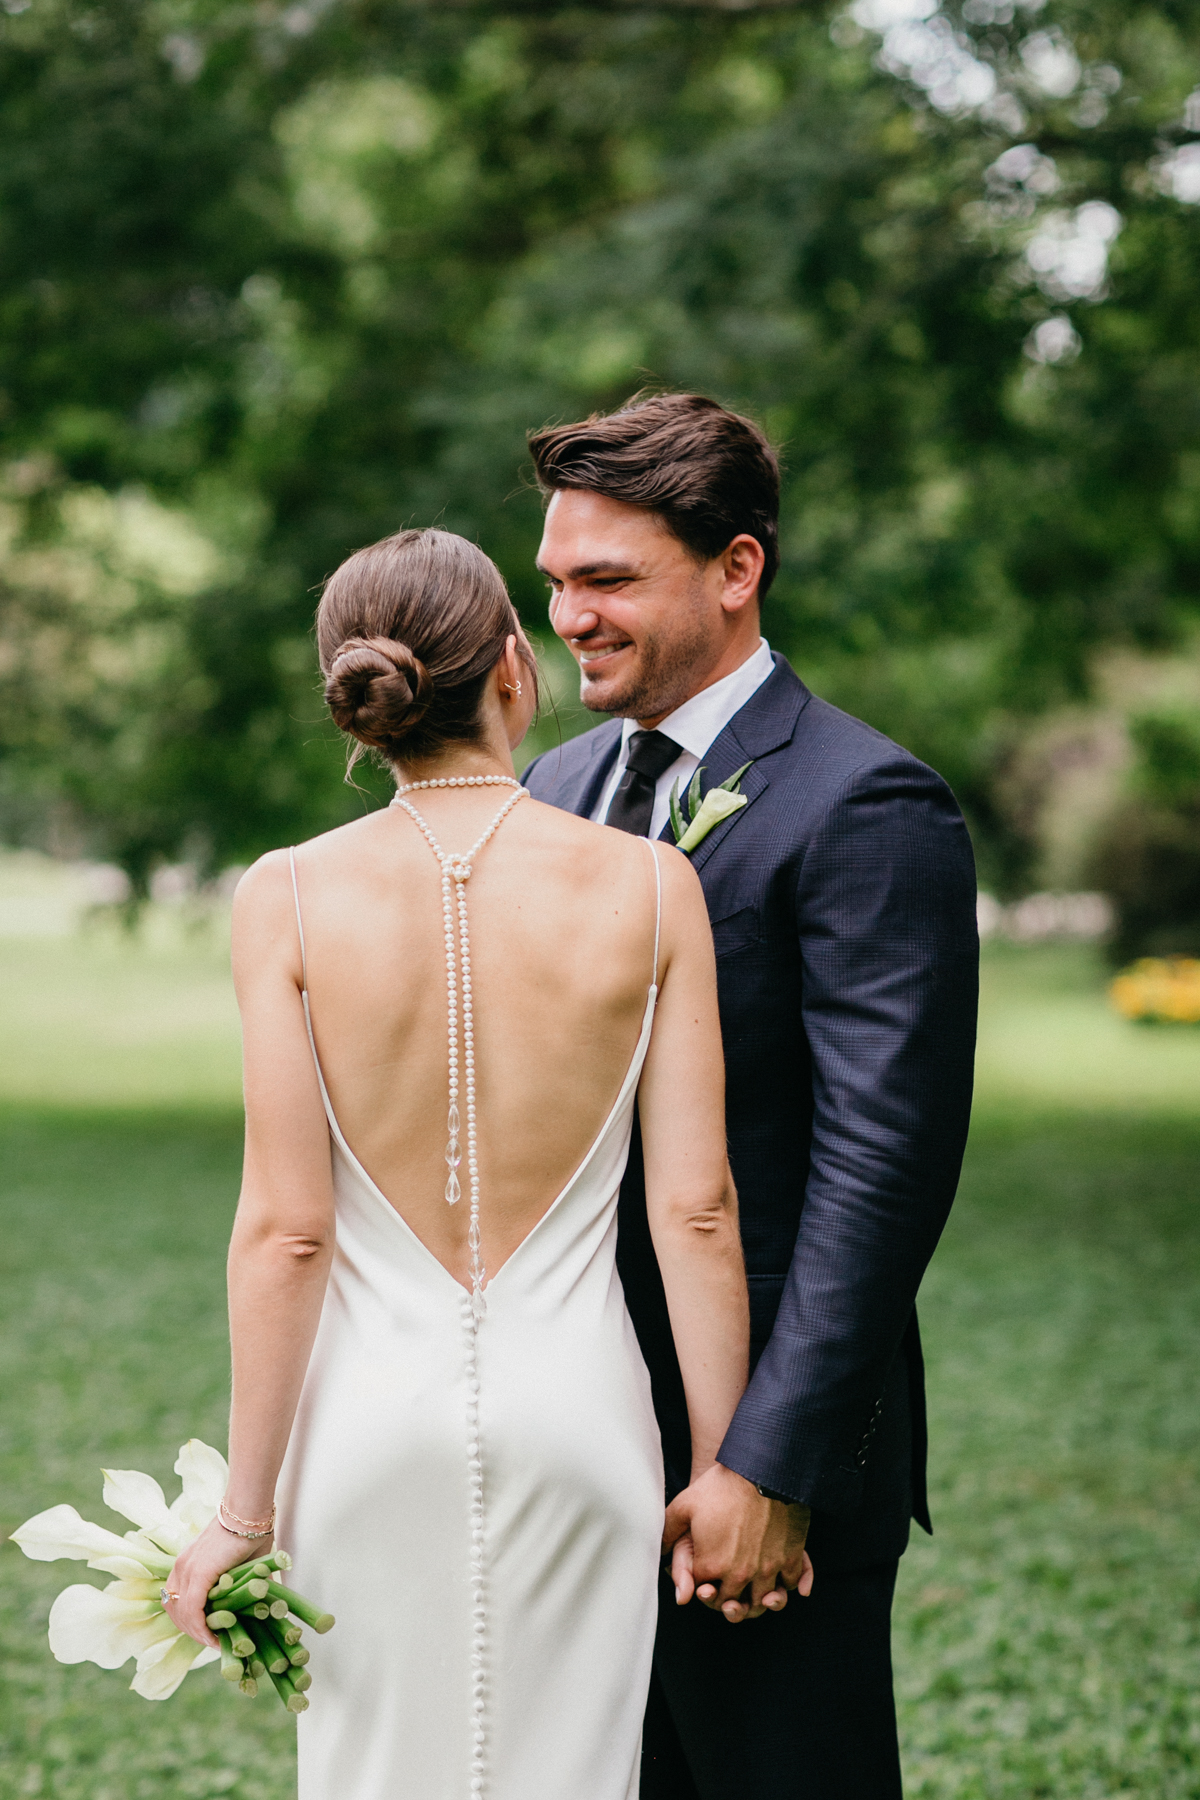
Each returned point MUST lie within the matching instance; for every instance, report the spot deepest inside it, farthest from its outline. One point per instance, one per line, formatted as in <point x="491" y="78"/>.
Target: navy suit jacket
<point x="842" y="902"/>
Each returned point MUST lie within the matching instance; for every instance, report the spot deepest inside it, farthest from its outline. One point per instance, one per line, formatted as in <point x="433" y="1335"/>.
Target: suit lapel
<point x="581" y="787"/>
<point x="765" y="723"/>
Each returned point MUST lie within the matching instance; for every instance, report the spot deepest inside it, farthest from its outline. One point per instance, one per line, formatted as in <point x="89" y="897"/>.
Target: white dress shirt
<point x="695" y="727"/>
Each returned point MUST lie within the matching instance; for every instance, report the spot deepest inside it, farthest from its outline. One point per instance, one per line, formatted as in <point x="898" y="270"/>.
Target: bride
<point x="449" y="1010"/>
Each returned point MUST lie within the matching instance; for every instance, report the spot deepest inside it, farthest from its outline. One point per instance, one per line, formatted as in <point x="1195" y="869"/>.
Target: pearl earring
<point x="512" y="690"/>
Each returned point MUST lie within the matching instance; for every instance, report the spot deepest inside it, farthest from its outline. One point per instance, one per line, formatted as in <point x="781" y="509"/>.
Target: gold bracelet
<point x="258" y="1527"/>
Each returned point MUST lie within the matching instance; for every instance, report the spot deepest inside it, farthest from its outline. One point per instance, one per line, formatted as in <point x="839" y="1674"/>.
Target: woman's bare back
<point x="562" y="927"/>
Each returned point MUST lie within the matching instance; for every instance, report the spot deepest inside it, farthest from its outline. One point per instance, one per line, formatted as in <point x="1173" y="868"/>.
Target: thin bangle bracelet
<point x="261" y="1527"/>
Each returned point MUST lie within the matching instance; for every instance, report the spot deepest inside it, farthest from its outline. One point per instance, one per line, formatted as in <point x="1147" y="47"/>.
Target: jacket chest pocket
<point x="737" y="931"/>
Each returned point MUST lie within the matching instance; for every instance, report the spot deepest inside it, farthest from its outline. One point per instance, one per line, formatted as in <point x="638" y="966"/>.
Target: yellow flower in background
<point x="1159" y="990"/>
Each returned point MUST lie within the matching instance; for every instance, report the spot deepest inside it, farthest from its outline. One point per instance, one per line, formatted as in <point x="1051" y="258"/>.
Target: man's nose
<point x="572" y="614"/>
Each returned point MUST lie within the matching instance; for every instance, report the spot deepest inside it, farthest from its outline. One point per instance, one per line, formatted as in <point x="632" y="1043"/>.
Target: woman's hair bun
<point x="377" y="690"/>
<point x="409" y="630"/>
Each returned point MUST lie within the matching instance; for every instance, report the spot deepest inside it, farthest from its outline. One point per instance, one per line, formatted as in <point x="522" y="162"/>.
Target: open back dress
<point x="479" y="1501"/>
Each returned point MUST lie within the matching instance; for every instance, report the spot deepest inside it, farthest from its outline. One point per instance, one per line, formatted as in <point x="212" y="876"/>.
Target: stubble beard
<point x="664" y="676"/>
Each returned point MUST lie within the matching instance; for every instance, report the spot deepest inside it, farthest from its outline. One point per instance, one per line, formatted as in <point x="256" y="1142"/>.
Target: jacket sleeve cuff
<point x="832" y="1490"/>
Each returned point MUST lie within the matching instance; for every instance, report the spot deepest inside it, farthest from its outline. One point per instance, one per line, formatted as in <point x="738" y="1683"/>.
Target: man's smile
<point x="592" y="654"/>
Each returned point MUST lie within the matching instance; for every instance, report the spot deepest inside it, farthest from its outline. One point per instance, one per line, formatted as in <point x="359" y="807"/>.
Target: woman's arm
<point x="283" y="1235"/>
<point x="691" y="1203"/>
<point x="724" y="1537"/>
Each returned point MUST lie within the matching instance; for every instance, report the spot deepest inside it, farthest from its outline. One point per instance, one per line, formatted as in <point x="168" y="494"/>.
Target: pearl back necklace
<point x="456" y="872"/>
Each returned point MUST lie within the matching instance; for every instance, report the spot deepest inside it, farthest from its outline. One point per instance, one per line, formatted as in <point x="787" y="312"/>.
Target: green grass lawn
<point x="1048" y="1637"/>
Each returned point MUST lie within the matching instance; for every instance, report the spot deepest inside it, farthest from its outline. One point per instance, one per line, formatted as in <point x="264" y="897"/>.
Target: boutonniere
<point x="703" y="814"/>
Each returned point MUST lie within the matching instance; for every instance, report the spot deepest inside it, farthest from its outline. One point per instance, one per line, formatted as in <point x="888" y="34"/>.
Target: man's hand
<point x="734" y="1550"/>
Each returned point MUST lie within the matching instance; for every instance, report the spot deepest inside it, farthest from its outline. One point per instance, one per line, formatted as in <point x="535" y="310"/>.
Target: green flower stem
<point x="272" y="1654"/>
<point x="261" y="1568"/>
<point x="278" y="1609"/>
<point x="260" y="1610"/>
<point x="245" y="1594"/>
<point x="262" y="1565"/>
<point x="220" y="1620"/>
<point x="303" y="1609"/>
<point x="241" y="1643"/>
<point x="248" y="1686"/>
<point x="301" y="1680"/>
<point x="231" y="1665"/>
<point x="256" y="1667"/>
<point x="288" y="1639"/>
<point x="295" y="1703"/>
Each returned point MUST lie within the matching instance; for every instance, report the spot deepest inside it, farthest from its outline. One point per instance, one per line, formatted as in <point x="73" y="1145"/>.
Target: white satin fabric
<point x="374" y="1505"/>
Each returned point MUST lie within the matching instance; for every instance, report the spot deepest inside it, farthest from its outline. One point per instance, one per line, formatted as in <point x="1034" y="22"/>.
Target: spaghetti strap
<point x="300" y="924"/>
<point x="334" y="1127"/>
<point x="657" y="904"/>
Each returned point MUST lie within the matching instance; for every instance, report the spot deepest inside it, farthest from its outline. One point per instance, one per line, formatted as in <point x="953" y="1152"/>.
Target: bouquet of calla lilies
<point x="250" y="1606"/>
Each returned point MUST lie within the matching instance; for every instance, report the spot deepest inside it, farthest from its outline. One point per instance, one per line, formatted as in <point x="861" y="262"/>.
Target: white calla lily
<point x="90" y="1624"/>
<point x="707" y="812"/>
<point x="136" y="1496"/>
<point x="141" y="1549"/>
<point x="127" y="1568"/>
<point x="716" y="805"/>
<point x="127" y="1618"/>
<point x="61" y="1532"/>
<point x="205" y="1476"/>
<point x="161" y="1669"/>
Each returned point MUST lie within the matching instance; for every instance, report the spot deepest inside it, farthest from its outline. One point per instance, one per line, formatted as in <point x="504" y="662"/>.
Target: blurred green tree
<point x="275" y="283"/>
<point x="1148" y="855"/>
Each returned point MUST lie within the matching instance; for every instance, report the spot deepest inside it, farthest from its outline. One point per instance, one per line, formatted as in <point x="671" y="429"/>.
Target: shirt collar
<point x="700" y="721"/>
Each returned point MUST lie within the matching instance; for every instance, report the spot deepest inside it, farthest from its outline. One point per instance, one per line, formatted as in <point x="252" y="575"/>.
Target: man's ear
<point x="743" y="562"/>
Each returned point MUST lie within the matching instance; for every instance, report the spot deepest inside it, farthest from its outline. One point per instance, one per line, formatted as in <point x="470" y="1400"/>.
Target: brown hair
<point x="708" y="473"/>
<point x="408" y="631"/>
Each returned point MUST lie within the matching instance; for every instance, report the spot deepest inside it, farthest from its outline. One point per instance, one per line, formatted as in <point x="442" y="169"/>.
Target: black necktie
<point x="650" y="755"/>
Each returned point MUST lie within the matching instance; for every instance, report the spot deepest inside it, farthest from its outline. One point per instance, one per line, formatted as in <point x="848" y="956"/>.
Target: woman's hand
<point x="199" y="1566"/>
<point x="737" y="1552"/>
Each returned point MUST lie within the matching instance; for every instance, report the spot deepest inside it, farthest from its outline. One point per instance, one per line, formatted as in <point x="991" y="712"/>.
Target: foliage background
<point x="279" y="279"/>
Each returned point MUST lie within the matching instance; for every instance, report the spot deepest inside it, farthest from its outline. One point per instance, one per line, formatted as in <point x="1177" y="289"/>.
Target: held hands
<point x="738" y="1553"/>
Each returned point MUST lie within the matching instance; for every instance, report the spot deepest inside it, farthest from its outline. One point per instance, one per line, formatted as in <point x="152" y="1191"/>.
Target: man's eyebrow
<point x="597" y="568"/>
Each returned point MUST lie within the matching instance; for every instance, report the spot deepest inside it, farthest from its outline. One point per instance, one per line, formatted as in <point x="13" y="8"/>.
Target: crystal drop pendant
<point x="478" y="1304"/>
<point x="453" y="1190"/>
<point x="453" y="1123"/>
<point x="453" y="1154"/>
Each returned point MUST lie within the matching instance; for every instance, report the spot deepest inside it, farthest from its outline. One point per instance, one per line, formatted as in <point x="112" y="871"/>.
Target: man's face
<point x="641" y="616"/>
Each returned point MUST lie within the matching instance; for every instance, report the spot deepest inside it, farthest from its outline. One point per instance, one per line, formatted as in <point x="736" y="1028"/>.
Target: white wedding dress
<point x="522" y="1676"/>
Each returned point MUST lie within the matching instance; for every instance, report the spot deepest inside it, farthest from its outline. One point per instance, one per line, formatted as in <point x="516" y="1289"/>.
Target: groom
<point x="842" y="899"/>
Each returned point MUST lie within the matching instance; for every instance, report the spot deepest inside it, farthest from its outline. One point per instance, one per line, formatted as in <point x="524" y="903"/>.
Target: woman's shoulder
<point x="270" y="882"/>
<point x="600" y="857"/>
<point x="595" y="845"/>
